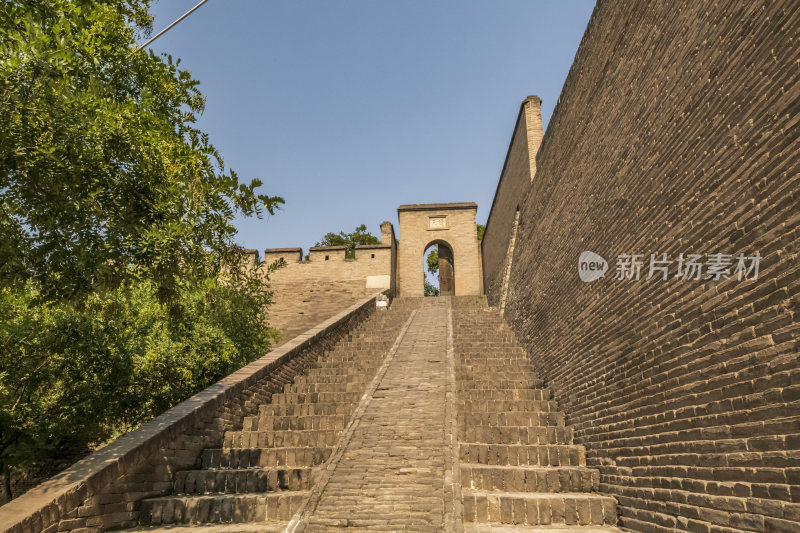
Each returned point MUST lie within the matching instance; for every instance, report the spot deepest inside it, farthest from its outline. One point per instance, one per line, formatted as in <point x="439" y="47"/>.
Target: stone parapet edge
<point x="46" y="503"/>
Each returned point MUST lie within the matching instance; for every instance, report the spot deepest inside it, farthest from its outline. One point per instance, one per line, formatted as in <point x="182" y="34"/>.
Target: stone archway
<point x="453" y="225"/>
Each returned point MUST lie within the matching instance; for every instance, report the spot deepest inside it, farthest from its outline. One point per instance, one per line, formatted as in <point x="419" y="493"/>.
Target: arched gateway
<point x="453" y="227"/>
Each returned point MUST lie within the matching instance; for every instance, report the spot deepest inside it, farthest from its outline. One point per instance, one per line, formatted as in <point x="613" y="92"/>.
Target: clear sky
<point x="349" y="108"/>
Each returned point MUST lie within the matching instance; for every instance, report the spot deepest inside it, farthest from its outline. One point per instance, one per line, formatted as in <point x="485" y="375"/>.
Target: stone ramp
<point x="391" y="476"/>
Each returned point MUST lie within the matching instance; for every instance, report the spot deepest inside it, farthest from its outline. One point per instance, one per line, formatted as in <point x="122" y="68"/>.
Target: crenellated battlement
<point x="310" y="288"/>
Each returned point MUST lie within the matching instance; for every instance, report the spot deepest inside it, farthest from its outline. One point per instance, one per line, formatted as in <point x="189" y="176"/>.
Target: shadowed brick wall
<point x="676" y="132"/>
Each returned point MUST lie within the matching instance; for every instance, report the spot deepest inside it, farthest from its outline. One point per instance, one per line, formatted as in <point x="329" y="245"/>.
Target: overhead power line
<point x="165" y="30"/>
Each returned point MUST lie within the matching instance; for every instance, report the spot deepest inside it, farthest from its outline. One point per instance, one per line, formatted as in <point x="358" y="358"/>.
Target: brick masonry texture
<point x="105" y="490"/>
<point x="676" y="132"/>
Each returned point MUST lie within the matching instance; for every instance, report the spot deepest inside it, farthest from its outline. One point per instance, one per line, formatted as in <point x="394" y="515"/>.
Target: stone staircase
<point x="262" y="472"/>
<point x="520" y="470"/>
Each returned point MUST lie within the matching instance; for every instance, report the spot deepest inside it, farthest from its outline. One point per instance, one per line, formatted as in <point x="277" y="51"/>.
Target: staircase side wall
<point x="676" y="132"/>
<point x="102" y="491"/>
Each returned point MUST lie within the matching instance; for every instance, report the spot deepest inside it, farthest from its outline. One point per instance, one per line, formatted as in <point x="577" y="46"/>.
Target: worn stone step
<point x="272" y="438"/>
<point x="504" y="362"/>
<point x="541" y="418"/>
<point x="495" y="527"/>
<point x="523" y="454"/>
<point x="504" y="406"/>
<point x="302" y="422"/>
<point x="335" y="378"/>
<point x="271" y="526"/>
<point x="263" y="457"/>
<point x="348" y="371"/>
<point x="306" y="409"/>
<point x="538" y="508"/>
<point x="317" y="397"/>
<point x="516" y="434"/>
<point x="503" y="394"/>
<point x="529" y="478"/>
<point x="307" y="388"/>
<point x="219" y="508"/>
<point x="280" y="438"/>
<point x="241" y="480"/>
<point x="487" y="382"/>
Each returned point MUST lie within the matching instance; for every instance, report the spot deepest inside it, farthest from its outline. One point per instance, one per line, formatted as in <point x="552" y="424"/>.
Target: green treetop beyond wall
<point x="676" y="132"/>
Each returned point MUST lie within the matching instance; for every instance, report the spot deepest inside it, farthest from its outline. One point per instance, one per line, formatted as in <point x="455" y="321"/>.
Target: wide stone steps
<point x="474" y="527"/>
<point x="220" y="508"/>
<point x="271" y="526"/>
<point x="486" y="382"/>
<point x="263" y="457"/>
<point x="310" y="388"/>
<point x="316" y="397"/>
<point x="529" y="478"/>
<point x="331" y="378"/>
<point x="302" y="409"/>
<point x="517" y="434"/>
<point x="273" y="438"/>
<point x="241" y="480"/>
<point x="523" y="454"/>
<point x="262" y="472"/>
<point x="300" y="422"/>
<point x="520" y="470"/>
<point x="504" y="406"/>
<point x="539" y="418"/>
<point x="498" y="394"/>
<point x="524" y="508"/>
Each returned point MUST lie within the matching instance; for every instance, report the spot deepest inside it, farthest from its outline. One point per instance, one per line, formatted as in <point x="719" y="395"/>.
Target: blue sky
<point x="350" y="108"/>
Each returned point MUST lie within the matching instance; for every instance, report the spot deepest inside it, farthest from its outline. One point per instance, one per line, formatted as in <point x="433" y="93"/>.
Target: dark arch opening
<point x="438" y="269"/>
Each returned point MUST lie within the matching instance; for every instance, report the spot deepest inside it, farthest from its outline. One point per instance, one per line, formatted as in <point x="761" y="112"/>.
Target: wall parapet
<point x="171" y="440"/>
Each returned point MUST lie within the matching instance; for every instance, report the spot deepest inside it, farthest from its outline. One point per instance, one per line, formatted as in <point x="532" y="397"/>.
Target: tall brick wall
<point x="676" y="132"/>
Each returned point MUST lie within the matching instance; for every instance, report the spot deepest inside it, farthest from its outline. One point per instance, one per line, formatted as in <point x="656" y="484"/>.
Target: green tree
<point x="359" y="236"/>
<point x="431" y="289"/>
<point x="122" y="289"/>
<point x="433" y="260"/>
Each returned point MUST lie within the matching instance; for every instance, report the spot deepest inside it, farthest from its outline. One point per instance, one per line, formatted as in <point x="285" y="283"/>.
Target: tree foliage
<point x="433" y="260"/>
<point x="431" y="289"/>
<point x="122" y="289"/>
<point x="359" y="236"/>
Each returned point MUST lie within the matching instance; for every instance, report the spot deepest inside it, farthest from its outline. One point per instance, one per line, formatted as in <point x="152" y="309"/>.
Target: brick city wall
<point x="306" y="292"/>
<point x="103" y="490"/>
<point x="676" y="132"/>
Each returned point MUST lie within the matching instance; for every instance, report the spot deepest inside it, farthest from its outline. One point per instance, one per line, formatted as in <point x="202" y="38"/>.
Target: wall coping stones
<point x="437" y="207"/>
<point x="373" y="246"/>
<point x="48" y="502"/>
<point x="279" y="250"/>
